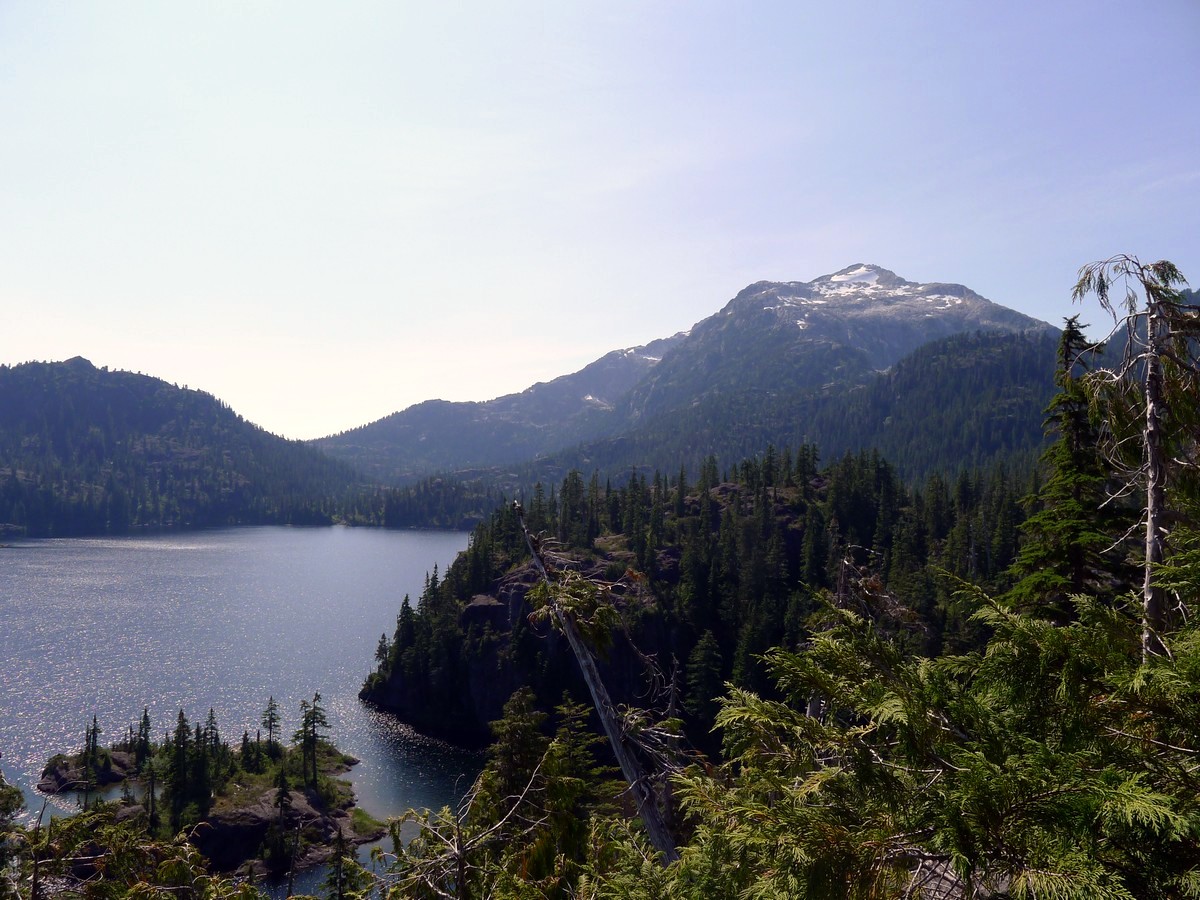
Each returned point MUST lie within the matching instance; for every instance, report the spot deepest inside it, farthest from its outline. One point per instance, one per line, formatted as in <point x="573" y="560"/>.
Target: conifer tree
<point x="142" y="744"/>
<point x="383" y="651"/>
<point x="312" y="722"/>
<point x="271" y="721"/>
<point x="283" y="794"/>
<point x="212" y="736"/>
<point x="1069" y="540"/>
<point x="179" y="769"/>
<point x="704" y="680"/>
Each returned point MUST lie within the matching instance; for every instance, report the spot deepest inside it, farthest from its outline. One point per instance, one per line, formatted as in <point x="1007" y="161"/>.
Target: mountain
<point x="770" y="351"/>
<point x="438" y="435"/>
<point x="961" y="402"/>
<point x="86" y="451"/>
<point x="797" y="336"/>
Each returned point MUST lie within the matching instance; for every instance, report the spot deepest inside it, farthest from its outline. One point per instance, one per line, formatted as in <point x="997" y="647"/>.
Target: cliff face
<point x="456" y="699"/>
<point x="500" y="651"/>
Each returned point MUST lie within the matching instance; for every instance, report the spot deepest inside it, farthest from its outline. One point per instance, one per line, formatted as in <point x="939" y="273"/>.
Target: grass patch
<point x="364" y="822"/>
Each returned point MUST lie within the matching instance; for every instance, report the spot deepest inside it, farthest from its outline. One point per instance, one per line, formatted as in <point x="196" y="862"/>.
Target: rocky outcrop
<point x="229" y="838"/>
<point x="232" y="835"/>
<point x="485" y="610"/>
<point x="68" y="773"/>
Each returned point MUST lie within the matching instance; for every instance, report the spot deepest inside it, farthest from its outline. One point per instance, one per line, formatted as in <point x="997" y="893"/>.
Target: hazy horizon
<point x="325" y="215"/>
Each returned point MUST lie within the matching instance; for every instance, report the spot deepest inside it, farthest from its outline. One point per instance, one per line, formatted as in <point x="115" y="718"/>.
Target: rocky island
<point x="263" y="808"/>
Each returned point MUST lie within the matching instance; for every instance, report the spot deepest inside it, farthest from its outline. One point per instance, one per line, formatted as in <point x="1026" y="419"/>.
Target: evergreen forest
<point x="88" y="451"/>
<point x="789" y="677"/>
<point x="838" y="686"/>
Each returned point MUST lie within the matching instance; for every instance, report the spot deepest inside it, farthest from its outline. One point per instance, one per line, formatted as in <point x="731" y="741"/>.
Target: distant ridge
<point x="438" y="435"/>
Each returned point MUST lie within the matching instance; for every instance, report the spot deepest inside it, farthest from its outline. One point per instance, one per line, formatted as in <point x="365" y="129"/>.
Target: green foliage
<point x="313" y="722"/>
<point x="346" y="880"/>
<point x="525" y="828"/>
<point x="271" y="721"/>
<point x="98" y="854"/>
<point x="583" y="599"/>
<point x="1069" y="546"/>
<point x="440" y="502"/>
<point x="11" y="802"/>
<point x="744" y="562"/>
<point x="890" y="729"/>
<point x="1053" y="762"/>
<point x="194" y="775"/>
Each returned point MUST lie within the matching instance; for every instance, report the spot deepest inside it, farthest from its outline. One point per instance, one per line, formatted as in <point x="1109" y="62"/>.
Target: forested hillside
<point x="943" y="692"/>
<point x="963" y="402"/>
<point x="725" y="569"/>
<point x="440" y="436"/>
<point x="967" y="402"/>
<point x="748" y="375"/>
<point x="89" y="451"/>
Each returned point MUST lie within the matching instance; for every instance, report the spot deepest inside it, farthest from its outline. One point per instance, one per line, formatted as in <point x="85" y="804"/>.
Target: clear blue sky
<point x="325" y="212"/>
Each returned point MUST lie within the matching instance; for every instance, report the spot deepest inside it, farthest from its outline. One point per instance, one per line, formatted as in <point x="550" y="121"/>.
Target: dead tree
<point x="640" y="777"/>
<point x="1147" y="400"/>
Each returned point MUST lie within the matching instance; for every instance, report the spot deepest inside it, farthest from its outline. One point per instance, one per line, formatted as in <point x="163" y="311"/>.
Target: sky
<point x="323" y="213"/>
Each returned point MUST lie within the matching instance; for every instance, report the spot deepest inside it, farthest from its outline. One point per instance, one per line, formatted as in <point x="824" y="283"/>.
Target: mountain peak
<point x="862" y="274"/>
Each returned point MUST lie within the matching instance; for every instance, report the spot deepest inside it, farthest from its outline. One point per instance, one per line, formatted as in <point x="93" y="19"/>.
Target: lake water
<point x="221" y="619"/>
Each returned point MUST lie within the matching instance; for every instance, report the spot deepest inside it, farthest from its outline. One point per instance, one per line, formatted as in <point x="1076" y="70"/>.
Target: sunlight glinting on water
<point x="221" y="619"/>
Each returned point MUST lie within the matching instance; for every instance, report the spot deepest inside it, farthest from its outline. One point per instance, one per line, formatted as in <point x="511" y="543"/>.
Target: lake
<point x="221" y="619"/>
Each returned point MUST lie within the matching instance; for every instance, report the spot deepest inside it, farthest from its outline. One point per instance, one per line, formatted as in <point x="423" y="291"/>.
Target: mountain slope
<point x="439" y="435"/>
<point x="961" y="402"/>
<point x="762" y="357"/>
<point x="86" y="451"/>
<point x="800" y="336"/>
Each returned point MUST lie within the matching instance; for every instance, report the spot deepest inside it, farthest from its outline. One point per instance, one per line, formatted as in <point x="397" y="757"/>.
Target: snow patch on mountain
<point x="860" y="274"/>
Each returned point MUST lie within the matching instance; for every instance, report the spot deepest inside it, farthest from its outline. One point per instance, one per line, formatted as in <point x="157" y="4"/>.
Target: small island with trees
<point x="261" y="808"/>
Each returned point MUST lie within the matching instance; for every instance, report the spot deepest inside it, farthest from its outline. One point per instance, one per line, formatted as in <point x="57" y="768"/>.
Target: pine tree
<point x="271" y="721"/>
<point x="705" y="680"/>
<point x="312" y="722"/>
<point x="142" y="744"/>
<point x="283" y="794"/>
<point x="179" y="770"/>
<point x="212" y="736"/>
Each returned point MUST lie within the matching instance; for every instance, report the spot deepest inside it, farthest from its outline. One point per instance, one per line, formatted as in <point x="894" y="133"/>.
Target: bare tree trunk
<point x="1166" y="395"/>
<point x="1154" y="607"/>
<point x="635" y="773"/>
